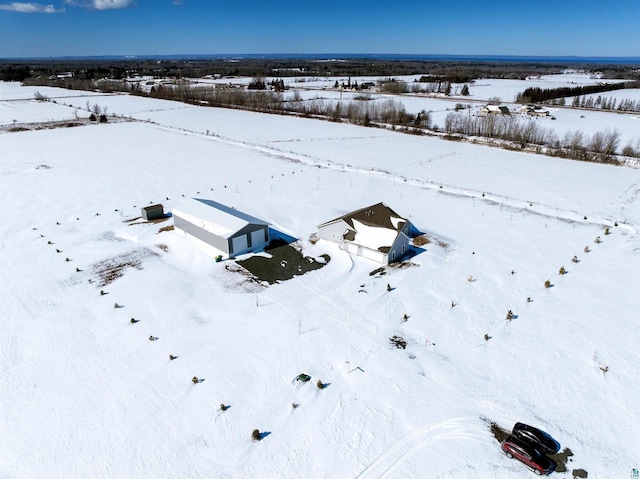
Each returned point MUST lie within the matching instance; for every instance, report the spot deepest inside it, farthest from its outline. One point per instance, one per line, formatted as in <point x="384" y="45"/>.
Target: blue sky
<point x="453" y="27"/>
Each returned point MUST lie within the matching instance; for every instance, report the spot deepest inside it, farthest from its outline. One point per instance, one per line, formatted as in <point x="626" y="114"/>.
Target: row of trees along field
<point x="599" y="147"/>
<point x="541" y="95"/>
<point x="605" y="103"/>
<point x="360" y="111"/>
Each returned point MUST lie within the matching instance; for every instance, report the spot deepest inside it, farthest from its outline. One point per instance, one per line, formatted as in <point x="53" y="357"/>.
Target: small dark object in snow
<point x="78" y="270"/>
<point x="195" y="380"/>
<point x="153" y="338"/>
<point x="116" y="306"/>
<point x="134" y="320"/>
<point x="585" y="217"/>
<point x="303" y="377"/>
<point x="224" y="407"/>
<point x="487" y="337"/>
<point x="67" y="260"/>
<point x="389" y="288"/>
<point x="102" y="293"/>
<point x="172" y="357"/>
<point x="49" y="242"/>
<point x="255" y="435"/>
<point x="529" y="300"/>
<point x="58" y="251"/>
<point x="398" y="342"/>
<point x="513" y="271"/>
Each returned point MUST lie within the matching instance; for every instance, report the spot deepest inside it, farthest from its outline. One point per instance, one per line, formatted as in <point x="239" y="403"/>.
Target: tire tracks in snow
<point x="394" y="456"/>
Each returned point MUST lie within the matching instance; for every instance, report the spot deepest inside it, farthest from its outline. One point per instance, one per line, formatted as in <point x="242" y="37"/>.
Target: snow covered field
<point x="69" y="104"/>
<point x="84" y="393"/>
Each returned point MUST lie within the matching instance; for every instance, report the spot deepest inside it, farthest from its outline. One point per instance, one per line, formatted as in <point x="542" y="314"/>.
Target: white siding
<point x="374" y="255"/>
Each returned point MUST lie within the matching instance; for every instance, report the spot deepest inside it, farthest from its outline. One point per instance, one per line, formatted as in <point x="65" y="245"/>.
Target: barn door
<point x="239" y="244"/>
<point x="257" y="238"/>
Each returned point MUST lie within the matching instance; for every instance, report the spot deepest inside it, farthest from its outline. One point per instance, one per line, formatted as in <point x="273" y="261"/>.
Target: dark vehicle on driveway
<point x="542" y="441"/>
<point x="526" y="453"/>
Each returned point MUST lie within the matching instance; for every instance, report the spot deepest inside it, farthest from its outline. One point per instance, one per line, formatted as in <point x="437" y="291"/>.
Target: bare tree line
<point x="606" y="103"/>
<point x="356" y="111"/>
<point x="599" y="147"/>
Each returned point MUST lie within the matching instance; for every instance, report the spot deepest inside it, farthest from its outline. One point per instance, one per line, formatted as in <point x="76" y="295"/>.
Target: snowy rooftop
<point x="215" y="217"/>
<point x="375" y="227"/>
<point x="374" y="237"/>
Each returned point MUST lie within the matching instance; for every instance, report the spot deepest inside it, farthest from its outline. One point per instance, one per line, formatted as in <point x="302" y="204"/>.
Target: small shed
<point x="375" y="232"/>
<point x="224" y="228"/>
<point x="153" y="212"/>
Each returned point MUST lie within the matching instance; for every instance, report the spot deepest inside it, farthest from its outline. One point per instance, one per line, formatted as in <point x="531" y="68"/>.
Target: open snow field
<point x="84" y="393"/>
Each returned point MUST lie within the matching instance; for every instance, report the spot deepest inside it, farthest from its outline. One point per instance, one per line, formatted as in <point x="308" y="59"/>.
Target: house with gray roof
<point x="376" y="232"/>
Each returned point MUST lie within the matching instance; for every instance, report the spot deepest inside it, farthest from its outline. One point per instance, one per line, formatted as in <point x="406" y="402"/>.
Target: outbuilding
<point x="495" y="110"/>
<point x="224" y="228"/>
<point x="375" y="232"/>
<point x="153" y="212"/>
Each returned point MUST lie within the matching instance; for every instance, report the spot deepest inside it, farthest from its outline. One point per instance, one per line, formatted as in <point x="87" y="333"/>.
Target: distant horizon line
<point x="343" y="56"/>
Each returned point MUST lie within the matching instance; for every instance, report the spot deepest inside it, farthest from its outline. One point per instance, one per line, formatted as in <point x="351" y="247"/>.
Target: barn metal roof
<point x="215" y="217"/>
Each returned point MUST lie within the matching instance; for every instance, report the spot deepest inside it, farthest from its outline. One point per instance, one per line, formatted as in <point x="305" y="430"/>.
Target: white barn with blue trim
<point x="226" y="229"/>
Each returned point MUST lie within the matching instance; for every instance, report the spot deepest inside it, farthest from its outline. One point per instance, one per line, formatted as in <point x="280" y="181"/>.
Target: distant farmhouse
<point x="222" y="227"/>
<point x="375" y="232"/>
<point x="534" y="110"/>
<point x="495" y="110"/>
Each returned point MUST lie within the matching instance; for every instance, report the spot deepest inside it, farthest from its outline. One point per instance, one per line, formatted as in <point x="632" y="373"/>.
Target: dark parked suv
<point x="526" y="452"/>
<point x="543" y="441"/>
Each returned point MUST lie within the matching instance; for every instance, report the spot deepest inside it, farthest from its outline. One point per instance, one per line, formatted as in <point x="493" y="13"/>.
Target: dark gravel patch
<point x="562" y="458"/>
<point x="285" y="262"/>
